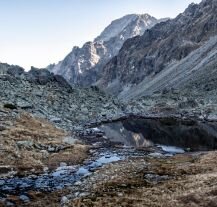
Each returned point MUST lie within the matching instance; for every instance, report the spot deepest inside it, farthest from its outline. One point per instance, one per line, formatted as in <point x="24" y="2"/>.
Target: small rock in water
<point x="82" y="171"/>
<point x="2" y="182"/>
<point x="8" y="203"/>
<point x="24" y="198"/>
<point x="172" y="149"/>
<point x="51" y="149"/>
<point x="156" y="155"/>
<point x="77" y="183"/>
<point x="63" y="164"/>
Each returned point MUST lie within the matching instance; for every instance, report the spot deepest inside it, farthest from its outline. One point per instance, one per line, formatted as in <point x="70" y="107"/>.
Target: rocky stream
<point x="130" y="138"/>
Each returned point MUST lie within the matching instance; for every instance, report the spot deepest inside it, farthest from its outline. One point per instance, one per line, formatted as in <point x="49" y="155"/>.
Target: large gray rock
<point x="39" y="76"/>
<point x="15" y="71"/>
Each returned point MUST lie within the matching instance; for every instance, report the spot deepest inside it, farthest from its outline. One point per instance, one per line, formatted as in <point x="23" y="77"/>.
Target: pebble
<point x="64" y="200"/>
<point x="51" y="149"/>
<point x="156" y="155"/>
<point x="24" y="198"/>
<point x="63" y="164"/>
<point x="82" y="171"/>
<point x="8" y="203"/>
<point x="2" y="182"/>
<point x="84" y="194"/>
<point x="77" y="183"/>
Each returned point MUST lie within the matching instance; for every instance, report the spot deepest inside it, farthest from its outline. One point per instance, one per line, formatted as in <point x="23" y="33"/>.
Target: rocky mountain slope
<point x="174" y="54"/>
<point x="49" y="96"/>
<point x="169" y="71"/>
<point x="83" y="65"/>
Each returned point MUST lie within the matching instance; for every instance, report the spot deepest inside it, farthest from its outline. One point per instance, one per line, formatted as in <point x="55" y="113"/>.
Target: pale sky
<point x="40" y="32"/>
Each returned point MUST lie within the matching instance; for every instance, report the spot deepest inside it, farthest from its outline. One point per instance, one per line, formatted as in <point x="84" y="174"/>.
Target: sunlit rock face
<point x="188" y="134"/>
<point x="82" y="66"/>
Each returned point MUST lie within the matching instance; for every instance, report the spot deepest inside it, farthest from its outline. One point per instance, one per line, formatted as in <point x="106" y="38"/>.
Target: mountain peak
<point x="118" y="25"/>
<point x="82" y="66"/>
<point x="145" y="64"/>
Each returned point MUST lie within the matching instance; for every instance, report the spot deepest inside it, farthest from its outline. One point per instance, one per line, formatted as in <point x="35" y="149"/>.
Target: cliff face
<point x="143" y="60"/>
<point x="83" y="65"/>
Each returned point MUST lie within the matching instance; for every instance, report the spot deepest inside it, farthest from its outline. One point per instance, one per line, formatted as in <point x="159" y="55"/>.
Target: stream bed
<point x="62" y="177"/>
<point x="163" y="137"/>
<point x="66" y="176"/>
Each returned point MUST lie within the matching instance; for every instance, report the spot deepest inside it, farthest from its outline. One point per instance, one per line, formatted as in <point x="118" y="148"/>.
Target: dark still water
<point x="188" y="134"/>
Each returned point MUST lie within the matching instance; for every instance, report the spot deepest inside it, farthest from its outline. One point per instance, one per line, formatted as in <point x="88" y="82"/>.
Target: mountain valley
<point x="129" y="119"/>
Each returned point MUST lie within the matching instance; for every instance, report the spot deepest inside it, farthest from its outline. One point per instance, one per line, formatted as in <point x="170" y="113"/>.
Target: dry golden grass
<point x="192" y="183"/>
<point x="36" y="131"/>
<point x="71" y="156"/>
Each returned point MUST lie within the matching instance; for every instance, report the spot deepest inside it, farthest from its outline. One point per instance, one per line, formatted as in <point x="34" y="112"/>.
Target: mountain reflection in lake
<point x="194" y="135"/>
